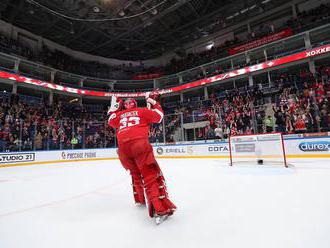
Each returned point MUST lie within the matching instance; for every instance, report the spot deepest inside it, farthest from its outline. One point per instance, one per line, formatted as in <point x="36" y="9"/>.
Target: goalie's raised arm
<point x="156" y="113"/>
<point x="115" y="106"/>
<point x="152" y="98"/>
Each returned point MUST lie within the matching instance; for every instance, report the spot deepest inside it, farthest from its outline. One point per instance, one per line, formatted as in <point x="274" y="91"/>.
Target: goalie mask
<point x="130" y="103"/>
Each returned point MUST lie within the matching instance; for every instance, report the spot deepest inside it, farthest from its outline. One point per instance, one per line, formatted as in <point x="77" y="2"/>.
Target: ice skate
<point x="159" y="219"/>
<point x="140" y="205"/>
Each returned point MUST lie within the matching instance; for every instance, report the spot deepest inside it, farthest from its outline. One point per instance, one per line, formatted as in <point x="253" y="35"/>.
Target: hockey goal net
<point x="265" y="149"/>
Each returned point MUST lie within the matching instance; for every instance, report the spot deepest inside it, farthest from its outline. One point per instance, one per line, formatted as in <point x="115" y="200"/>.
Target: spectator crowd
<point x="33" y="127"/>
<point x="299" y="104"/>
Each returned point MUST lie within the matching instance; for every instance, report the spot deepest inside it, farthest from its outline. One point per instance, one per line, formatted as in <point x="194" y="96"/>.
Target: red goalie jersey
<point x="136" y="154"/>
<point x="134" y="123"/>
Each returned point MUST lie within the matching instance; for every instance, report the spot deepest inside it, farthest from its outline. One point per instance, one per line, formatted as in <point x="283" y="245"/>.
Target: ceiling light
<point x="147" y="24"/>
<point x="244" y="10"/>
<point x="30" y="8"/>
<point x="71" y="28"/>
<point x="253" y="6"/>
<point x="96" y="9"/>
<point x="154" y="12"/>
<point x="121" y="13"/>
<point x="209" y="46"/>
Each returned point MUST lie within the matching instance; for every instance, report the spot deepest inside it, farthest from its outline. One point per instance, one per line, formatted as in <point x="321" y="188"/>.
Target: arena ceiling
<point x="145" y="36"/>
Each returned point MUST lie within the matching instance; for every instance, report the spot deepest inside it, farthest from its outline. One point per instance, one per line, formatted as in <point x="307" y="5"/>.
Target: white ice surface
<point x="90" y="204"/>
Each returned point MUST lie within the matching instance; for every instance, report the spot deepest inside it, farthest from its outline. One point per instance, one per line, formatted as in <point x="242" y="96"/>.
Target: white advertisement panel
<point x="193" y="150"/>
<point x="308" y="146"/>
<point x="39" y="157"/>
<point x="295" y="148"/>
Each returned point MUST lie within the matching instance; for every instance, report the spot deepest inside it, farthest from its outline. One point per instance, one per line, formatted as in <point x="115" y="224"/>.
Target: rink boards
<point x="296" y="148"/>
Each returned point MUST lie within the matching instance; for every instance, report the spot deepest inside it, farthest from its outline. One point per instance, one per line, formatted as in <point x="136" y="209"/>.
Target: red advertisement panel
<point x="265" y="40"/>
<point x="262" y="66"/>
<point x="148" y="76"/>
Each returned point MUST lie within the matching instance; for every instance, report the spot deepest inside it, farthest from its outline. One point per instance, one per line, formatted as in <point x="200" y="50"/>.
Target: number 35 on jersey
<point x="129" y="122"/>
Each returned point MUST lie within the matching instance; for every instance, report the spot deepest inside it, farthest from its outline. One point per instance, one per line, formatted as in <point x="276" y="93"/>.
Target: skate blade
<point x="140" y="205"/>
<point x="160" y="219"/>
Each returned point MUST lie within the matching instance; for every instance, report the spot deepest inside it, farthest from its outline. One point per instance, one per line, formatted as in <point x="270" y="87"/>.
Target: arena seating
<point x="300" y="104"/>
<point x="293" y="103"/>
<point x="59" y="60"/>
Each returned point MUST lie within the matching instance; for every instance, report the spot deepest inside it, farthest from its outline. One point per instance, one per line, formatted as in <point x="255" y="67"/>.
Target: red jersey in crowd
<point x="300" y="125"/>
<point x="134" y="123"/>
<point x="233" y="131"/>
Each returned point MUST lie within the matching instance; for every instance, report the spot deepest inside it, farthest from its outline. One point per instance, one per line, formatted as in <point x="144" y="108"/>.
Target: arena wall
<point x="296" y="147"/>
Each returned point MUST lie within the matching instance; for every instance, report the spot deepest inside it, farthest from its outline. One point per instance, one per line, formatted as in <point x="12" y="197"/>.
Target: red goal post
<point x="265" y="149"/>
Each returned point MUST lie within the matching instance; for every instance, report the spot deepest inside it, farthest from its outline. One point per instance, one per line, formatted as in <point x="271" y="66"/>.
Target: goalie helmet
<point x="130" y="103"/>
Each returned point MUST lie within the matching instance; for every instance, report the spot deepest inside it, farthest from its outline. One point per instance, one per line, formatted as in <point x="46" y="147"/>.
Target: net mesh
<point x="257" y="149"/>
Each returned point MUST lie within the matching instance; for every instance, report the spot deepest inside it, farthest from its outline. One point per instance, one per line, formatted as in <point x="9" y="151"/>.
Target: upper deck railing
<point x="293" y="44"/>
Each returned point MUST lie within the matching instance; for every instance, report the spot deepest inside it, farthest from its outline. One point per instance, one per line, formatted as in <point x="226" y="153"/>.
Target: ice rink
<point x="90" y="204"/>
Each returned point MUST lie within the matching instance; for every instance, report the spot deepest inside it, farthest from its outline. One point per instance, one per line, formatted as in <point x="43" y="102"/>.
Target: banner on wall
<point x="295" y="147"/>
<point x="208" y="149"/>
<point x="314" y="146"/>
<point x="183" y="150"/>
<point x="56" y="156"/>
<point x="320" y="134"/>
<point x="7" y="158"/>
<point x="73" y="155"/>
<point x="218" y="78"/>
<point x="147" y="76"/>
<point x="218" y="148"/>
<point x="265" y="40"/>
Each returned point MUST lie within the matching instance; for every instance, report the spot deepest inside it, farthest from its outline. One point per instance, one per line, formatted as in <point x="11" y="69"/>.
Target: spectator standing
<point x="324" y="125"/>
<point x="2" y="140"/>
<point x="38" y="141"/>
<point x="269" y="124"/>
<point x="218" y="132"/>
<point x="300" y="126"/>
<point x="259" y="123"/>
<point x="309" y="121"/>
<point x="279" y="120"/>
<point x="74" y="142"/>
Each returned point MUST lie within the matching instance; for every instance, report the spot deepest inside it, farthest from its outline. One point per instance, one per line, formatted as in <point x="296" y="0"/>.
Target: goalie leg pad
<point x="158" y="201"/>
<point x="137" y="185"/>
<point x="167" y="203"/>
<point x="153" y="179"/>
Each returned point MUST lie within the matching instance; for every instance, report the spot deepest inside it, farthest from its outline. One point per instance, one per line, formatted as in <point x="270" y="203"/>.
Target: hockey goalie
<point x="136" y="154"/>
